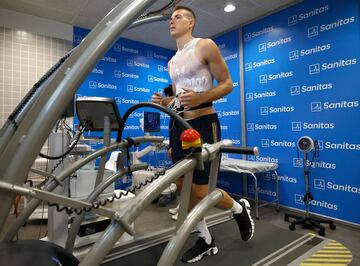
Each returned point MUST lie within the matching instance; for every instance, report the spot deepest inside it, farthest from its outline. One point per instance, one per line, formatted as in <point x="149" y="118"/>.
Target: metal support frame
<point x="101" y="169"/>
<point x="26" y="142"/>
<point x="92" y="197"/>
<point x="136" y="206"/>
<point x="21" y="148"/>
<point x="174" y="246"/>
<point x="52" y="184"/>
<point x="256" y="192"/>
<point x="53" y="198"/>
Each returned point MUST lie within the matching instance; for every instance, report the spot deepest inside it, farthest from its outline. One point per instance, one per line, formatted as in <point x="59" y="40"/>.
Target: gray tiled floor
<point x="149" y="223"/>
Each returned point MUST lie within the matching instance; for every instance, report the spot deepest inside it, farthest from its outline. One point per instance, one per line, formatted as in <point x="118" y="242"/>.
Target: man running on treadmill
<point x="192" y="69"/>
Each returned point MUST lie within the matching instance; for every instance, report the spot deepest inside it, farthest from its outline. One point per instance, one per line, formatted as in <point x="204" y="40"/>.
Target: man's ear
<point x="192" y="23"/>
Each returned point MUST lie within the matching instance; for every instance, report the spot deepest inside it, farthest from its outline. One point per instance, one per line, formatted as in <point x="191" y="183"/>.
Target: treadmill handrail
<point x="92" y="197"/>
<point x="115" y="230"/>
<point x="27" y="140"/>
<point x="51" y="184"/>
<point x="174" y="246"/>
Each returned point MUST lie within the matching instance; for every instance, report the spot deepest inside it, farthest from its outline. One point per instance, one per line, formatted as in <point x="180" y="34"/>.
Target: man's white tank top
<point x="186" y="70"/>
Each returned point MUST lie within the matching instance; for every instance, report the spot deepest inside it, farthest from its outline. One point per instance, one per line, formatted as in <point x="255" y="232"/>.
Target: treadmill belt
<point x="232" y="250"/>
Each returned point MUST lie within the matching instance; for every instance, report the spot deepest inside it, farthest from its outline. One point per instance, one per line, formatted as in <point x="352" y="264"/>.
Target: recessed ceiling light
<point x="229" y="8"/>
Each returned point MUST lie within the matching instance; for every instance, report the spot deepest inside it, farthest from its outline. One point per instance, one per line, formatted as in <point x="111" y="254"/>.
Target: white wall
<point x="20" y="21"/>
<point x="29" y="46"/>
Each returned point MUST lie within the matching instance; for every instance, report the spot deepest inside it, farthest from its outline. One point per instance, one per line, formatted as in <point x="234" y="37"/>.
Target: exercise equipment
<point x="26" y="130"/>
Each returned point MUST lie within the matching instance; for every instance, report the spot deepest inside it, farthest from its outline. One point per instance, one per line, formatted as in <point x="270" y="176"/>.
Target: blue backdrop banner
<point x="301" y="67"/>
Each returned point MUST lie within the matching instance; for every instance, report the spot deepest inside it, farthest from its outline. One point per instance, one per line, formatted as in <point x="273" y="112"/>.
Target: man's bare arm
<point x="209" y="52"/>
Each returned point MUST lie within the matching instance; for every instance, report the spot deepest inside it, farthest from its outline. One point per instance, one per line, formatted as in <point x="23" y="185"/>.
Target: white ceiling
<point x="211" y="18"/>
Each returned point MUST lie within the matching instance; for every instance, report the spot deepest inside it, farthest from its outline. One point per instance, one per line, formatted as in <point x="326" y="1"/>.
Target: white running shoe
<point x="174" y="210"/>
<point x="175" y="216"/>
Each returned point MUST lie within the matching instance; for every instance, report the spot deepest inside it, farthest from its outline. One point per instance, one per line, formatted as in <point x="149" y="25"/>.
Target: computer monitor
<point x="151" y="122"/>
<point x="92" y="110"/>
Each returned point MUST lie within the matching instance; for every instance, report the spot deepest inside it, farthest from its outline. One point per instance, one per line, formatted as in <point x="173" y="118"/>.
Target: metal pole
<point x="22" y="149"/>
<point x="93" y="196"/>
<point x="54" y="198"/>
<point x="185" y="198"/>
<point x="136" y="206"/>
<point x="174" y="246"/>
<point x="51" y="185"/>
<point x="214" y="169"/>
<point x="101" y="169"/>
<point x="114" y="231"/>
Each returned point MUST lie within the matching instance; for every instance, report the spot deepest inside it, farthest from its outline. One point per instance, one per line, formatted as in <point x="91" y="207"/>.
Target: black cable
<point x="97" y="204"/>
<point x="65" y="153"/>
<point x="166" y="110"/>
<point x="34" y="89"/>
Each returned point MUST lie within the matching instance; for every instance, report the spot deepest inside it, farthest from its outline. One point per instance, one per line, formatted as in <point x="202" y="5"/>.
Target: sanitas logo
<point x="267" y="192"/>
<point x="266" y="94"/>
<point x="339" y="64"/>
<point x="265" y="127"/>
<point x="130" y="75"/>
<point x="109" y="59"/>
<point x="317" y="87"/>
<point x="281" y="75"/>
<point x="284" y="143"/>
<point x="345" y="188"/>
<point x="138" y="64"/>
<point x="106" y="86"/>
<point x="159" y="56"/>
<point x="316" y="49"/>
<point x="129" y="101"/>
<point x="342" y="146"/>
<point x="129" y="50"/>
<point x="263" y="63"/>
<point x="267" y="159"/>
<point x="224" y="127"/>
<point x="229" y="57"/>
<point x="221" y="100"/>
<point x="324" y="204"/>
<point x="321" y="164"/>
<point x="312" y="13"/>
<point x="255" y="34"/>
<point x="340" y="105"/>
<point x="250" y="96"/>
<point x="287" y="179"/>
<point x="141" y="89"/>
<point x="132" y="127"/>
<point x="319" y="125"/>
<point x="282" y="109"/>
<point x="338" y="23"/>
<point x="98" y="71"/>
<point x="230" y="113"/>
<point x="152" y="78"/>
<point x="278" y="42"/>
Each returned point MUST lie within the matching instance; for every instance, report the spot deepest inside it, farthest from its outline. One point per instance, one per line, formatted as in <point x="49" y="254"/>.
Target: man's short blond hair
<point x="189" y="10"/>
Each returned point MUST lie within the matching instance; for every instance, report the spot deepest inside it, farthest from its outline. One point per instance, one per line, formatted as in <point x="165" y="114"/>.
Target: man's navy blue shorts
<point x="209" y="128"/>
